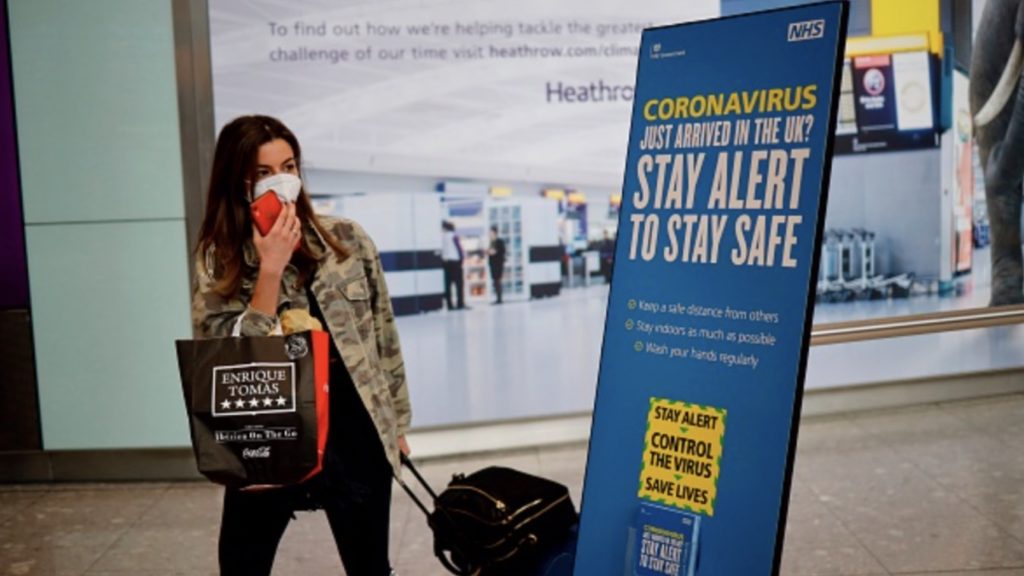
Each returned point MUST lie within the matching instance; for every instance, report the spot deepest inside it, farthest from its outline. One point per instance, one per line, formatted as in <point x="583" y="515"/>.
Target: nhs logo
<point x="808" y="30"/>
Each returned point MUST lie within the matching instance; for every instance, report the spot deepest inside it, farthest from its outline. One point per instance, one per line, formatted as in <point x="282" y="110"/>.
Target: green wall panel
<point x="108" y="300"/>
<point x="96" y="101"/>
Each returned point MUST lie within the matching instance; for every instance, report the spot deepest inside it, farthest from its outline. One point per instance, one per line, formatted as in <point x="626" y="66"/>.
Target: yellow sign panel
<point x="894" y="17"/>
<point x="682" y="455"/>
<point x="872" y="45"/>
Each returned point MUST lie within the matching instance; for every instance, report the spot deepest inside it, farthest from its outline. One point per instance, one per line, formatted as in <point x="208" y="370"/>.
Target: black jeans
<point x="496" y="280"/>
<point x="354" y="489"/>
<point x="253" y="523"/>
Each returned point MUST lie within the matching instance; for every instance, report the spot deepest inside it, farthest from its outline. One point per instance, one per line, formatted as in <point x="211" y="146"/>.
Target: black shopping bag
<point x="257" y="406"/>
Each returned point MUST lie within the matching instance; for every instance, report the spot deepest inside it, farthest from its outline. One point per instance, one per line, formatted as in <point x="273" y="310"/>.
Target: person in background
<point x="607" y="254"/>
<point x="496" y="260"/>
<point x="452" y="257"/>
<point x="329" y="267"/>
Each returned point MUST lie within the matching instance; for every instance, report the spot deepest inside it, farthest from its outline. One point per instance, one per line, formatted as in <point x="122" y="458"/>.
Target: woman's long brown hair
<point x="227" y="224"/>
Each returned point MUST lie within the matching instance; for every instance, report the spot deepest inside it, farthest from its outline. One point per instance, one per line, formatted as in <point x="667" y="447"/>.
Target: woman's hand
<point x="275" y="251"/>
<point x="403" y="445"/>
<point x="276" y="248"/>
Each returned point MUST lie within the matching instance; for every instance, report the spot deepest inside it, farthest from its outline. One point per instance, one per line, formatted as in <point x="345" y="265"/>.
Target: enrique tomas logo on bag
<point x="252" y="389"/>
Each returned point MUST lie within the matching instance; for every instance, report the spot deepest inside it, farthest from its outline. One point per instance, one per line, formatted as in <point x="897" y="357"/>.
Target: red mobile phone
<point x="265" y="211"/>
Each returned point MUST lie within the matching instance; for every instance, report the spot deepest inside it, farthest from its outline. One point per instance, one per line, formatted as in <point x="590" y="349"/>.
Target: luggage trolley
<point x="866" y="243"/>
<point x="835" y="267"/>
<point x="868" y="285"/>
<point x="846" y="243"/>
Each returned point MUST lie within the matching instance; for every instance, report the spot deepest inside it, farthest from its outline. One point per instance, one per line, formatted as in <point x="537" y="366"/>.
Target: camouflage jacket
<point x="354" y="300"/>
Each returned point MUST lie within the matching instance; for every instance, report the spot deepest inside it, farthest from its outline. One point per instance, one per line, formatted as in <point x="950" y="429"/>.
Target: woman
<point x="496" y="260"/>
<point x="245" y="280"/>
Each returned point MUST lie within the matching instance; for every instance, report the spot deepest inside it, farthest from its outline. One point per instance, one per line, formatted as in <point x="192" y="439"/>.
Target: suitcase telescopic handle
<point x="419" y="503"/>
<point x="438" y="548"/>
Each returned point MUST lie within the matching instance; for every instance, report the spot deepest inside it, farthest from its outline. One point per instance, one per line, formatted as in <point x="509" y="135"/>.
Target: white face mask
<point x="285" y="185"/>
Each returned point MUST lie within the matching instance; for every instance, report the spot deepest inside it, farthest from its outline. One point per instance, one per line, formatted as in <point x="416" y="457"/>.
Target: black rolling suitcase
<point x="497" y="521"/>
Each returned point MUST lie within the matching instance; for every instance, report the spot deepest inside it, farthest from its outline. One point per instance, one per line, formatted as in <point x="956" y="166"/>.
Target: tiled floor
<point x="935" y="490"/>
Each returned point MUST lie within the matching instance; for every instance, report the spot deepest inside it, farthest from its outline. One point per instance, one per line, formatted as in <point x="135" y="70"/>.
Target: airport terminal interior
<point x="481" y="146"/>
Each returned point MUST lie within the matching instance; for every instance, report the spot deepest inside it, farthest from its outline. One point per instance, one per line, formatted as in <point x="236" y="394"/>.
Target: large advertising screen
<point x="474" y="115"/>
